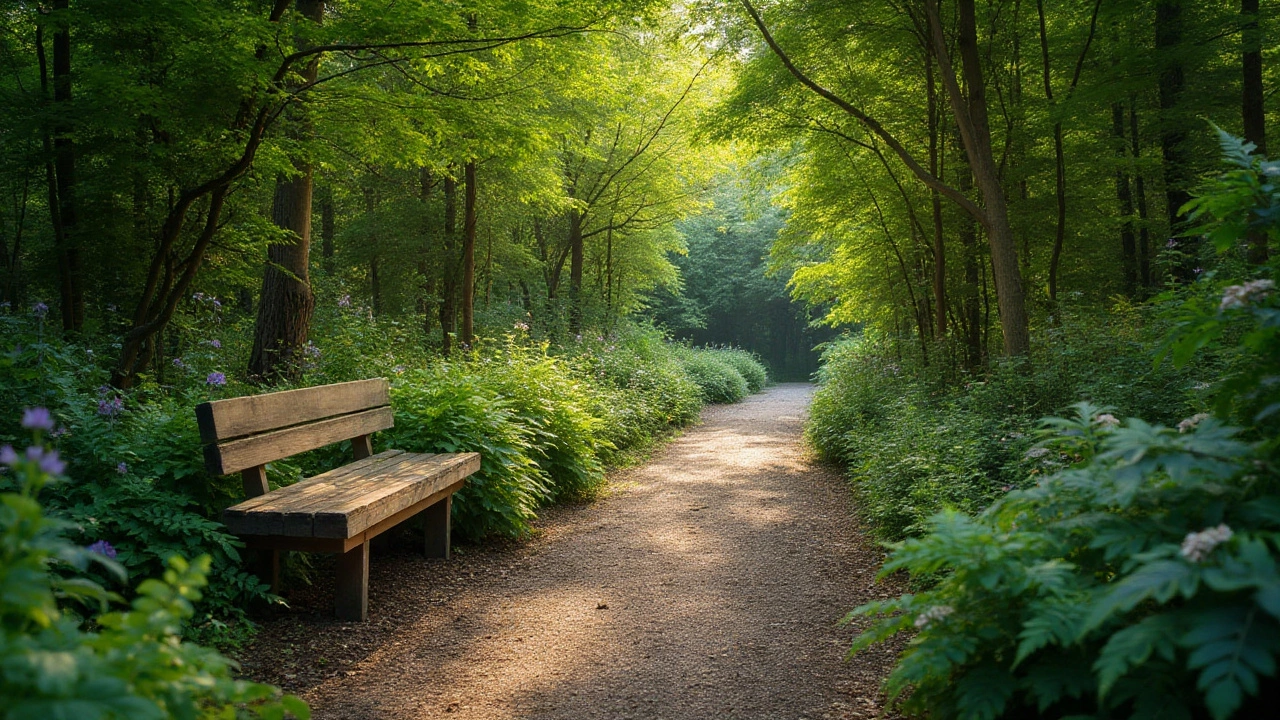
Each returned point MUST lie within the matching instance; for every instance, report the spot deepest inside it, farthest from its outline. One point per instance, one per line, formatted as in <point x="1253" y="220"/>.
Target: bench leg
<point x="267" y="568"/>
<point x="437" y="520"/>
<point x="351" y="599"/>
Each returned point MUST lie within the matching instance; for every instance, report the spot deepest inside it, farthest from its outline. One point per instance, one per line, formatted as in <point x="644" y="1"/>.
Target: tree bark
<point x="286" y="304"/>
<point x="1253" y="105"/>
<point x="63" y="178"/>
<point x="576" y="254"/>
<point x="1128" y="246"/>
<point x="469" y="256"/>
<point x="935" y="200"/>
<point x="1177" y="175"/>
<point x="1140" y="193"/>
<point x="975" y="131"/>
<point x="449" y="287"/>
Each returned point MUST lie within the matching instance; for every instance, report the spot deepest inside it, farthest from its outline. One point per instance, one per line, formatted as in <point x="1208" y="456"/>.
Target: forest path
<point x="708" y="584"/>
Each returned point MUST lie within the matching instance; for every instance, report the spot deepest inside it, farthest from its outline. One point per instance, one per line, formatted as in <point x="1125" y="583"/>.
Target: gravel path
<point x="708" y="584"/>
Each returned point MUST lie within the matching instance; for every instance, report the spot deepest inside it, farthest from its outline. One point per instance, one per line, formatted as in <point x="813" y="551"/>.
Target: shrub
<point x="132" y="664"/>
<point x="717" y="379"/>
<point x="446" y="409"/>
<point x="1141" y="578"/>
<point x="916" y="442"/>
<point x="639" y="389"/>
<point x="555" y="408"/>
<point x="747" y="366"/>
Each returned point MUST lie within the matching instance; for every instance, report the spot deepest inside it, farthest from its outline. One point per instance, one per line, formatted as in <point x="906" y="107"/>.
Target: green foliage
<point x="123" y="664"/>
<point x="447" y="408"/>
<point x="747" y="365"/>
<point x="917" y="441"/>
<point x="1140" y="579"/>
<point x="717" y="379"/>
<point x="638" y="387"/>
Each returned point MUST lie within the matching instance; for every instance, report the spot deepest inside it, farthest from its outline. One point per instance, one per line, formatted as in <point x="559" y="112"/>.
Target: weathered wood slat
<point x="358" y="513"/>
<point x="326" y="477"/>
<point x="222" y="420"/>
<point x="351" y="498"/>
<point x="265" y="515"/>
<point x="237" y="455"/>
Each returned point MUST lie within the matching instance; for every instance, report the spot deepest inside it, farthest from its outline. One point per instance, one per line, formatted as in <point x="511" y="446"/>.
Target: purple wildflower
<point x="216" y="379"/>
<point x="103" y="548"/>
<point x="40" y="310"/>
<point x="1173" y="243"/>
<point x="1198" y="270"/>
<point x="177" y="362"/>
<point x="198" y="296"/>
<point x="48" y="462"/>
<point x="344" y="301"/>
<point x="110" y="408"/>
<point x="37" y="418"/>
<point x="8" y="456"/>
<point x="216" y="302"/>
<point x="122" y="468"/>
<point x="310" y="350"/>
<point x="216" y="344"/>
<point x="397" y="369"/>
<point x="104" y="390"/>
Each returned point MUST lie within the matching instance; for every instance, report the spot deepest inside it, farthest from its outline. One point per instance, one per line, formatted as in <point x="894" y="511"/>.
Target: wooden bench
<point x="339" y="511"/>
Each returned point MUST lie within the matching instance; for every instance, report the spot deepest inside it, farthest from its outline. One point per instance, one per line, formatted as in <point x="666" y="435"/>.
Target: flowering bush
<point x="125" y="664"/>
<point x="1142" y="580"/>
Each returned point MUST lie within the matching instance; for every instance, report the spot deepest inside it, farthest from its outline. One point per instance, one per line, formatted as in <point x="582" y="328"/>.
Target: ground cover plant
<point x="66" y="654"/>
<point x="1138" y="576"/>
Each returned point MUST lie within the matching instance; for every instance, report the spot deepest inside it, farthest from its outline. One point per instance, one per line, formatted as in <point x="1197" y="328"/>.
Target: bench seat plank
<point x="264" y="514"/>
<point x="345" y="502"/>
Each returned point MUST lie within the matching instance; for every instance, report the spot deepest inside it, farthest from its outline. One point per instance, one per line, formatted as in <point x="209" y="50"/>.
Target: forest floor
<point x="708" y="583"/>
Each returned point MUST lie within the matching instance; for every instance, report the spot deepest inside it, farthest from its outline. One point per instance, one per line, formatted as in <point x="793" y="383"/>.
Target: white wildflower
<point x="937" y="612"/>
<point x="1037" y="452"/>
<point x="1198" y="545"/>
<point x="1190" y="423"/>
<point x="1106" y="420"/>
<point x="1200" y="386"/>
<point x="1237" y="296"/>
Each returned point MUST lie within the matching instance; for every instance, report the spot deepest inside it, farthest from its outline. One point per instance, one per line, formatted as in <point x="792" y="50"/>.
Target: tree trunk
<point x="449" y="286"/>
<point x="62" y="192"/>
<point x="1253" y="105"/>
<point x="935" y="199"/>
<point x="1140" y="193"/>
<point x="576" y="252"/>
<point x="1177" y="175"/>
<point x="1128" y="247"/>
<point x="976" y="133"/>
<point x="970" y="309"/>
<point x="469" y="256"/>
<point x="375" y="252"/>
<point x="286" y="304"/>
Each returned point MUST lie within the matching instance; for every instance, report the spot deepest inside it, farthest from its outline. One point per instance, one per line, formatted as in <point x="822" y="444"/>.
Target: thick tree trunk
<point x="286" y="304"/>
<point x="970" y="308"/>
<point x="449" y="287"/>
<point x="469" y="256"/>
<point x="1173" y="133"/>
<point x="1253" y="104"/>
<point x="1128" y="246"/>
<point x="977" y="141"/>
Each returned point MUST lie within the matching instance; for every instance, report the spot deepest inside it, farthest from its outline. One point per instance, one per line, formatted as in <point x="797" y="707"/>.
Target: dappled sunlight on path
<point x="709" y="585"/>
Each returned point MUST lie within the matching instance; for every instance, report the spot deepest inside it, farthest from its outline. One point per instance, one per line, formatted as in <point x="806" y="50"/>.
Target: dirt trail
<point x="707" y="585"/>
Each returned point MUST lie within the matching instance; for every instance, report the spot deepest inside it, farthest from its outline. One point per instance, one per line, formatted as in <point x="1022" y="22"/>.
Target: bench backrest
<point x="243" y="434"/>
